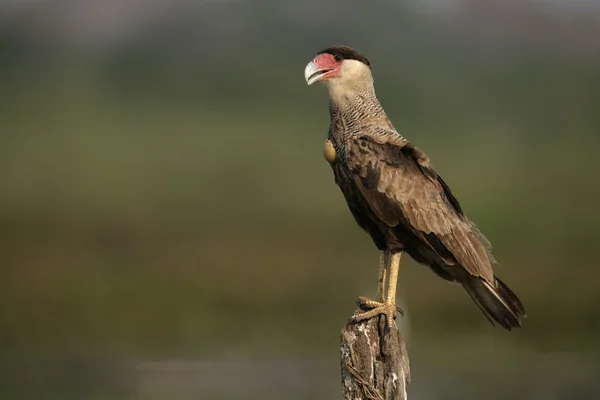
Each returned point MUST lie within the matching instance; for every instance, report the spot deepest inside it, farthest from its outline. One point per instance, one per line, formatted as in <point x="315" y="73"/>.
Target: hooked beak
<point x="313" y="74"/>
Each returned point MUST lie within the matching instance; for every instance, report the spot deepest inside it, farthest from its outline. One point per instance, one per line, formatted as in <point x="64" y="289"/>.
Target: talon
<point x="401" y="311"/>
<point x="373" y="309"/>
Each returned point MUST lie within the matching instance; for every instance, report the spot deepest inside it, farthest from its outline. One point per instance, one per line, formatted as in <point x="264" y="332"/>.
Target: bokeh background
<point x="170" y="230"/>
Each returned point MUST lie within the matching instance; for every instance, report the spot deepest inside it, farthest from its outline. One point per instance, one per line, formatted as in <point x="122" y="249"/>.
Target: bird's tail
<point x="497" y="301"/>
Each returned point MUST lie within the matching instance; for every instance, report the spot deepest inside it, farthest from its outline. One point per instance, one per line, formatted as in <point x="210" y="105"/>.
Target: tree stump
<point x="374" y="361"/>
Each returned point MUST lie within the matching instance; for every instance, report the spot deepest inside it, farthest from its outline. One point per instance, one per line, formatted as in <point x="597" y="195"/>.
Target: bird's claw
<point x="372" y="308"/>
<point x="367" y="304"/>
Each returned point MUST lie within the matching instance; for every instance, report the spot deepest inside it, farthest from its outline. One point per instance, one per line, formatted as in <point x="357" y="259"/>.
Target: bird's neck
<point x="352" y="109"/>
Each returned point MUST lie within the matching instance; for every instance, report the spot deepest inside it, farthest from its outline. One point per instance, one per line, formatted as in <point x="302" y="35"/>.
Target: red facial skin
<point x="327" y="62"/>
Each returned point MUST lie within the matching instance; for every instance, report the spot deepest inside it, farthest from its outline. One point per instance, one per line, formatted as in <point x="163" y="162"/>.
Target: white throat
<point x="355" y="79"/>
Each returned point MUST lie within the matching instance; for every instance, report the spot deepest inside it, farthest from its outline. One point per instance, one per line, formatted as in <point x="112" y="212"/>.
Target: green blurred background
<point x="170" y="230"/>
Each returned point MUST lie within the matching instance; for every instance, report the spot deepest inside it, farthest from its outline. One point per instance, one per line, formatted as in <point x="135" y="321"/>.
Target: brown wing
<point x="400" y="186"/>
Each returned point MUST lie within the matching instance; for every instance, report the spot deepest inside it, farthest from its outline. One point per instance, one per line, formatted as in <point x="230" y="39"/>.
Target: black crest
<point x="346" y="53"/>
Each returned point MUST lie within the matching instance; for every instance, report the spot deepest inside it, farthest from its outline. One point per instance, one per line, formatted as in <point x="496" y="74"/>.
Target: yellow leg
<point x="388" y="306"/>
<point x="393" y="280"/>
<point x="383" y="262"/>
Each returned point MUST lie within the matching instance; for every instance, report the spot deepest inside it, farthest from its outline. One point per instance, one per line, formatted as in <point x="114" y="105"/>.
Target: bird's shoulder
<point x="390" y="164"/>
<point x="386" y="149"/>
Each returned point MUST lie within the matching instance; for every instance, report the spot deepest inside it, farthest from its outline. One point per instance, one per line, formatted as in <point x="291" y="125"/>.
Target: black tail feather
<point x="496" y="301"/>
<point x="511" y="297"/>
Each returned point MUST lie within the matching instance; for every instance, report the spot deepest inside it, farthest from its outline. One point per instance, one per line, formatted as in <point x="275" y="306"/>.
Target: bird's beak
<point x="312" y="73"/>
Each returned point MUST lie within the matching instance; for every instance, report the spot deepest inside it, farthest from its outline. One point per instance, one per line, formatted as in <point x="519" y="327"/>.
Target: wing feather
<point x="400" y="186"/>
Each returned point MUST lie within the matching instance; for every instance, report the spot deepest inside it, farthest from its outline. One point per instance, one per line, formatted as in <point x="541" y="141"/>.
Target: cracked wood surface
<point x="374" y="361"/>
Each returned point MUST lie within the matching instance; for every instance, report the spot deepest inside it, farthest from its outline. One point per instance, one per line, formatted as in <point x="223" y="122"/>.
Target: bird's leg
<point x="367" y="303"/>
<point x="383" y="262"/>
<point x="394" y="267"/>
<point x="388" y="305"/>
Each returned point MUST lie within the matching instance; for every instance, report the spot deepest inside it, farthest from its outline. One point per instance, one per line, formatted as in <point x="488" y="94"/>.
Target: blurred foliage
<point x="155" y="205"/>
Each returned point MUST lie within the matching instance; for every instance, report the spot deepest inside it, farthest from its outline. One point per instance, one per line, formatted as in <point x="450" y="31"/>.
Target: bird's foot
<point x="372" y="308"/>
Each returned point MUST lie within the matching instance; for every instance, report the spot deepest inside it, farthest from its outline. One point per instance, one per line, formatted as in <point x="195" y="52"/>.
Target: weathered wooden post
<point x="374" y="361"/>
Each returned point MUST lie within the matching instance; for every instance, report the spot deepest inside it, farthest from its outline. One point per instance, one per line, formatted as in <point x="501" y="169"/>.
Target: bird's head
<point x="339" y="67"/>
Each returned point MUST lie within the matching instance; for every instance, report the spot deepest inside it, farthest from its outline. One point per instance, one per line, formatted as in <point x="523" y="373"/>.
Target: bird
<point x="398" y="198"/>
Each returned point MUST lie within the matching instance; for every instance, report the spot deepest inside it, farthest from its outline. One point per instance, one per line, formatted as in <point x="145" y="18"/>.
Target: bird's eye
<point x="338" y="57"/>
